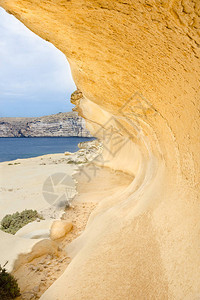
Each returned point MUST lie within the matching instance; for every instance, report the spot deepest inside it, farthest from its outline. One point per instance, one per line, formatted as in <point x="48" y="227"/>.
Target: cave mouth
<point x="35" y="78"/>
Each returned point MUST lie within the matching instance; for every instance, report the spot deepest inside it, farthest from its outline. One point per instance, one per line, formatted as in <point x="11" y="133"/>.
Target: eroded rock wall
<point x="137" y="66"/>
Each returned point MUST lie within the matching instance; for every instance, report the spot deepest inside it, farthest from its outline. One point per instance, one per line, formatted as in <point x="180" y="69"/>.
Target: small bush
<point x="12" y="223"/>
<point x="9" y="288"/>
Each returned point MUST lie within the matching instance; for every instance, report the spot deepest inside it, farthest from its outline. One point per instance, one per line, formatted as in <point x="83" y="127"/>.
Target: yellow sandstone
<point x="136" y="66"/>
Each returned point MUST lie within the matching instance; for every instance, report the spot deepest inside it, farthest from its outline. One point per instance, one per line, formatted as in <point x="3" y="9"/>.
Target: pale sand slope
<point x="34" y="259"/>
<point x="22" y="180"/>
<point x="21" y="185"/>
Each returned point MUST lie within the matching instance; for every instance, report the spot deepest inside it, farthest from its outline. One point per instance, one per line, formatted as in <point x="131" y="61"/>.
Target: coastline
<point x="22" y="186"/>
<point x="61" y="124"/>
<point x="35" y="260"/>
<point x="13" y="148"/>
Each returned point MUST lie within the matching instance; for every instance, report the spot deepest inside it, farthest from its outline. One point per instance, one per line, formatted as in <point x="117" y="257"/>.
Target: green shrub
<point x="9" y="288"/>
<point x="12" y="223"/>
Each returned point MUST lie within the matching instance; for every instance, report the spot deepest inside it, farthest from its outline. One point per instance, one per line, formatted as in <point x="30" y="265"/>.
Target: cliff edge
<point x="61" y="124"/>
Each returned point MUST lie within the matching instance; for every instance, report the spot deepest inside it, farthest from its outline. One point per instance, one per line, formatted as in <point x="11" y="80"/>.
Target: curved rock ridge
<point x="137" y="66"/>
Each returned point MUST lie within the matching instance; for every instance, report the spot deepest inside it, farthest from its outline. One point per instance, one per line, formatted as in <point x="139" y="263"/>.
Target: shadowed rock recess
<point x="137" y="66"/>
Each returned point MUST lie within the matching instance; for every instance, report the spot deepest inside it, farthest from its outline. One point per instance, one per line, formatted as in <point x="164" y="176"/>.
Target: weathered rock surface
<point x="61" y="124"/>
<point x="137" y="64"/>
<point x="90" y="152"/>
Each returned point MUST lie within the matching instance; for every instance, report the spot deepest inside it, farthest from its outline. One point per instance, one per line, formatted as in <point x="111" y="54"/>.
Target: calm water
<point x="13" y="148"/>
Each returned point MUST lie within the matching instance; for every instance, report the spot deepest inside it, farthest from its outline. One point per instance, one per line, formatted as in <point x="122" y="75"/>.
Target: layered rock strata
<point x="61" y="124"/>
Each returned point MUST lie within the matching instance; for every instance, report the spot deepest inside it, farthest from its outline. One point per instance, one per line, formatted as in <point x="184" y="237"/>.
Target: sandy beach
<point x="22" y="187"/>
<point x="33" y="258"/>
<point x="22" y="181"/>
<point x="132" y="229"/>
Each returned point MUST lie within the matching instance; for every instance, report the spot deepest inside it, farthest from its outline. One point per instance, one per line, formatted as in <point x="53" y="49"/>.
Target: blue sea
<point x="14" y="148"/>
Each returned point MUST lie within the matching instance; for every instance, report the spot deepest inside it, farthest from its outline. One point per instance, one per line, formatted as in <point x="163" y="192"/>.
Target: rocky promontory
<point x="61" y="124"/>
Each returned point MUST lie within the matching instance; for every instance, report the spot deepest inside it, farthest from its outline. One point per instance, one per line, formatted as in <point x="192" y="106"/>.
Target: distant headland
<point x="60" y="124"/>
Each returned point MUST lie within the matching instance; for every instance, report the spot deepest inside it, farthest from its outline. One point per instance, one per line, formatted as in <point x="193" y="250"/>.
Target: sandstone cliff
<point x="61" y="124"/>
<point x="137" y="66"/>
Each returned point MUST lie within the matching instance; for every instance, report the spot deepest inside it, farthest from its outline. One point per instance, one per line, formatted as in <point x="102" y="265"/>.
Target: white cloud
<point x="30" y="66"/>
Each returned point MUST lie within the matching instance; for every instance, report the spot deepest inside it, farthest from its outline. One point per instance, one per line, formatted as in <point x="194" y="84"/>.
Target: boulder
<point x="59" y="229"/>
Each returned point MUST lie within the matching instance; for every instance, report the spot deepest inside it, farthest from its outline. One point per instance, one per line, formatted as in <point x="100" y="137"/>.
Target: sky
<point x="35" y="77"/>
